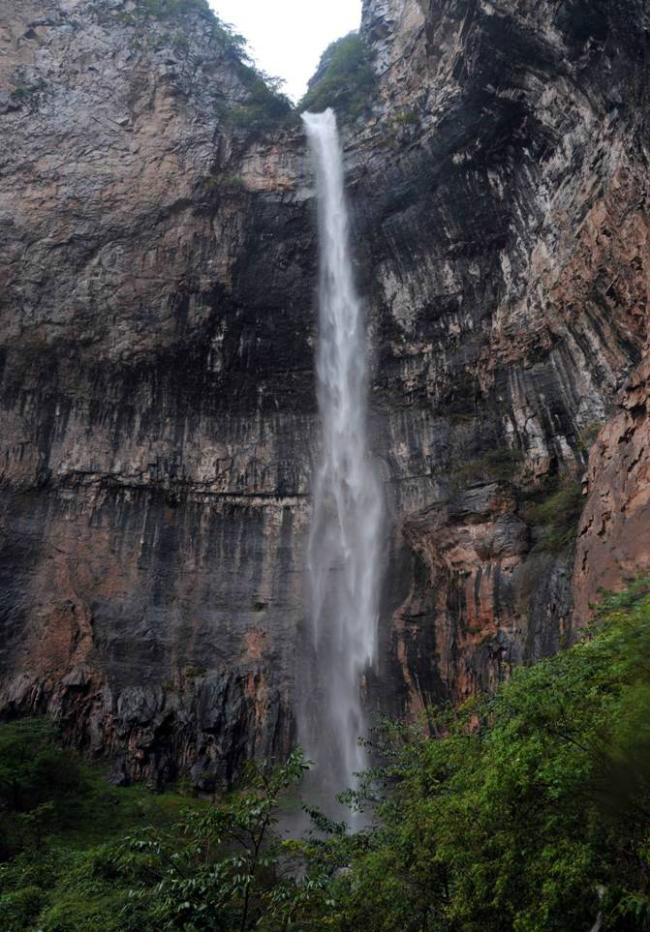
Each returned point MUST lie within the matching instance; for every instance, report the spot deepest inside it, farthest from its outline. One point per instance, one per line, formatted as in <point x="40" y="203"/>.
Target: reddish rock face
<point x="471" y="547"/>
<point x="614" y="537"/>
<point x="157" y="413"/>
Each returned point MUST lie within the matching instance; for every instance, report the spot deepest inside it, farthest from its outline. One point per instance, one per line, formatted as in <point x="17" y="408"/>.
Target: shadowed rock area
<point x="157" y="325"/>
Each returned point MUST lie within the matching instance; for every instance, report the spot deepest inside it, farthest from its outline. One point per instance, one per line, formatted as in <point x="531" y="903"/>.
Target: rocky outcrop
<point x="157" y="401"/>
<point x="613" y="541"/>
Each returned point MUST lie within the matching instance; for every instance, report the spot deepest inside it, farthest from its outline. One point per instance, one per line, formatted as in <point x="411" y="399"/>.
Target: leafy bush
<point x="211" y="867"/>
<point x="34" y="769"/>
<point x="223" y="872"/>
<point x="265" y="106"/>
<point x="588" y="435"/>
<point x="554" y="512"/>
<point x="344" y="79"/>
<point x="405" y="118"/>
<point x="19" y="909"/>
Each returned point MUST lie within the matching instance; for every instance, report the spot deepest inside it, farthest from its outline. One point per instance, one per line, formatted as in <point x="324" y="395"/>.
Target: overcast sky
<point x="287" y="37"/>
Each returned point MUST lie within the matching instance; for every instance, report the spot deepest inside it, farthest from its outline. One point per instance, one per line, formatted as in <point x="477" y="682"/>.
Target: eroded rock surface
<point x="613" y="540"/>
<point x="157" y="402"/>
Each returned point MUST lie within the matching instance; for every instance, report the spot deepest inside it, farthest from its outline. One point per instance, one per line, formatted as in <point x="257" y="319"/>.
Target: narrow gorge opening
<point x="287" y="38"/>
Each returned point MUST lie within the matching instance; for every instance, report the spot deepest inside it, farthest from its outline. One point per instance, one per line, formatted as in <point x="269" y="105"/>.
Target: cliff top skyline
<point x="287" y="38"/>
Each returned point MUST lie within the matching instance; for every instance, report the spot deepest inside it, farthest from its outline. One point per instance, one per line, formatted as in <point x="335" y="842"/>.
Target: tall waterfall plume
<point x="345" y="549"/>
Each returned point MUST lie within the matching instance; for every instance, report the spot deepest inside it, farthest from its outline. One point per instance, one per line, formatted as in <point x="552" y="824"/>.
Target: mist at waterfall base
<point x="345" y="550"/>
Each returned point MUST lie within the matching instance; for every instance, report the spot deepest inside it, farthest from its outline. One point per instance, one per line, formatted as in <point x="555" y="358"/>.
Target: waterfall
<point x="344" y="551"/>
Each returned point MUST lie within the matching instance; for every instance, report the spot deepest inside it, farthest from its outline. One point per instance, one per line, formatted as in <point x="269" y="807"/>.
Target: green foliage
<point x="58" y="817"/>
<point x="39" y="783"/>
<point x="501" y="463"/>
<point x="405" y="118"/>
<point x="19" y="909"/>
<point x="28" y="93"/>
<point x="530" y="814"/>
<point x="588" y="435"/>
<point x="33" y="768"/>
<point x="554" y="512"/>
<point x="344" y="80"/>
<point x="265" y="107"/>
<point x="186" y="866"/>
<point x="223" y="873"/>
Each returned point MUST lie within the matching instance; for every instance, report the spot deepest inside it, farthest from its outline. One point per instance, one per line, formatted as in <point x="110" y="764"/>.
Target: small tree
<point x="223" y="874"/>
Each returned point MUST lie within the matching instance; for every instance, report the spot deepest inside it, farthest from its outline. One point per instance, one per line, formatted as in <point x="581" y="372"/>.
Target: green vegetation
<point x="501" y="463"/>
<point x="588" y="434"/>
<point x="344" y="80"/>
<point x="231" y="184"/>
<point x="405" y="118"/>
<point x="160" y="10"/>
<point x="60" y="822"/>
<point x="38" y="783"/>
<point x="552" y="509"/>
<point x="532" y="814"/>
<point x="529" y="812"/>
<point x="265" y="107"/>
<point x="554" y="512"/>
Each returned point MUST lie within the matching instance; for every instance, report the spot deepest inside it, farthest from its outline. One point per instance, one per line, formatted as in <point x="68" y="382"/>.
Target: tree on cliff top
<point x="344" y="78"/>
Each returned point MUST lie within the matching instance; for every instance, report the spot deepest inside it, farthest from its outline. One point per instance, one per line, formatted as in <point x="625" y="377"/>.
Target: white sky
<point x="286" y="38"/>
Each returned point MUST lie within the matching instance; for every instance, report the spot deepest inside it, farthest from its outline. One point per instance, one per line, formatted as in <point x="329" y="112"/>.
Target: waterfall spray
<point x="344" y="553"/>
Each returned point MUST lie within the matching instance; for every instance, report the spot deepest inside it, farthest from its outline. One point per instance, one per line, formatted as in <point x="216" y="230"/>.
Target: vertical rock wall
<point x="157" y="411"/>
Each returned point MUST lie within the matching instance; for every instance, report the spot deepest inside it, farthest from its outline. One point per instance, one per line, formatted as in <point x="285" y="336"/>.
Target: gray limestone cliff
<point x="157" y="405"/>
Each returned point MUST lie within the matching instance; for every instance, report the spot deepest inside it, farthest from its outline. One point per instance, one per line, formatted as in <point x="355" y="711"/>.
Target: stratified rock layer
<point x="157" y="400"/>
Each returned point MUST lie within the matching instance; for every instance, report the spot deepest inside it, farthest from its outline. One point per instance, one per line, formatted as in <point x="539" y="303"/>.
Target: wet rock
<point x="157" y="409"/>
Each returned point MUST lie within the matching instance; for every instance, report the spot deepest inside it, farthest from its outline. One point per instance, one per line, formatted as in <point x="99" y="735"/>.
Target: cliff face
<point x="157" y="396"/>
<point x="506" y="204"/>
<point x="157" y="324"/>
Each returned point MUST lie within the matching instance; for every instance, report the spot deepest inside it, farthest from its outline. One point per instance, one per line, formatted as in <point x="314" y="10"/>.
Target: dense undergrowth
<point x="528" y="812"/>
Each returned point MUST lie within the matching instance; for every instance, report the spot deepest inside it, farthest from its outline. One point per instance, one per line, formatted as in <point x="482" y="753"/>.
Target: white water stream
<point x="344" y="555"/>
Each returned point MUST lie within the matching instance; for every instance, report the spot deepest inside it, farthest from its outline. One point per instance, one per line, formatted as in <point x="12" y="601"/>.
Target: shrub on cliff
<point x="500" y="463"/>
<point x="264" y="105"/>
<point x="554" y="513"/>
<point x="344" y="79"/>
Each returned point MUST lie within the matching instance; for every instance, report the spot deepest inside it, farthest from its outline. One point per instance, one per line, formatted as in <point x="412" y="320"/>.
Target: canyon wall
<point x="157" y="319"/>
